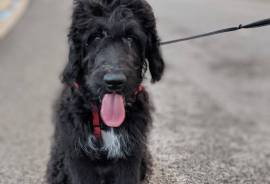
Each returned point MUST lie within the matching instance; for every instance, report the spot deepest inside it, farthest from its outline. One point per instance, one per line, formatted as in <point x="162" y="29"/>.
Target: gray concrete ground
<point x="212" y="117"/>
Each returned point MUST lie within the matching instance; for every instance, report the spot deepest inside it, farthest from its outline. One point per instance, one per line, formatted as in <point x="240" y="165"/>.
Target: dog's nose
<point x="115" y="81"/>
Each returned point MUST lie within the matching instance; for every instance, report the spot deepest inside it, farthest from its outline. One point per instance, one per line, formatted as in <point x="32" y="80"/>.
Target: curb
<point x="10" y="12"/>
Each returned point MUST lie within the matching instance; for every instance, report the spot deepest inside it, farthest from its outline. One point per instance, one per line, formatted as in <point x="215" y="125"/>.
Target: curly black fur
<point x="105" y="35"/>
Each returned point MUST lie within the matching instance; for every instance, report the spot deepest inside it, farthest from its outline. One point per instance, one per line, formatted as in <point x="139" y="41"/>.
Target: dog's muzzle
<point x="115" y="81"/>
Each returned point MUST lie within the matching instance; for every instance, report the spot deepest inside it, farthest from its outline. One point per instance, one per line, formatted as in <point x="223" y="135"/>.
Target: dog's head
<point x="112" y="42"/>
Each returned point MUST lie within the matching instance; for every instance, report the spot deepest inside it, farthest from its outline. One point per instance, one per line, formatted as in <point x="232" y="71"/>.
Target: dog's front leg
<point x="128" y="172"/>
<point x="82" y="171"/>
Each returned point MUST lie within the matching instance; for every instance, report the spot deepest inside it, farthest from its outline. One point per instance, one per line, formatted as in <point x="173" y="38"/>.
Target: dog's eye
<point x="97" y="37"/>
<point x="130" y="39"/>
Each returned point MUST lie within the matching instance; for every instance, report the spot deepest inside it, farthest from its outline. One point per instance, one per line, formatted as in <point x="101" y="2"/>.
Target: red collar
<point x="96" y="120"/>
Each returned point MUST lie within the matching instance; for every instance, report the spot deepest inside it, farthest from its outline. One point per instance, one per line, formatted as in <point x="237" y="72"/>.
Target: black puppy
<point x="103" y="114"/>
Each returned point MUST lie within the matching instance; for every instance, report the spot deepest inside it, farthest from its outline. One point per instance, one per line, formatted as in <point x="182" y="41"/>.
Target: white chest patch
<point x="113" y="144"/>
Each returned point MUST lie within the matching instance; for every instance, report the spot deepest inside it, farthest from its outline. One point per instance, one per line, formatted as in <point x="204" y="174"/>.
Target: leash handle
<point x="260" y="23"/>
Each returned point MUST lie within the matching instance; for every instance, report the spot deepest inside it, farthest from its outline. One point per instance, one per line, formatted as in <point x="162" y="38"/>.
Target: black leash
<point x="261" y="23"/>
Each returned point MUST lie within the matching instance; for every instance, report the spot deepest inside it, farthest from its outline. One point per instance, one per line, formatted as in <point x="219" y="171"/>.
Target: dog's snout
<point x="115" y="81"/>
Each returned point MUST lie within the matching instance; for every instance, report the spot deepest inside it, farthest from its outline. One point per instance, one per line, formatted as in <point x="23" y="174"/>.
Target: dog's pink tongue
<point x="113" y="110"/>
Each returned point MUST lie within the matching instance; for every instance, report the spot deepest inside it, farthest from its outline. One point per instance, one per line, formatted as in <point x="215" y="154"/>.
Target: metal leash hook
<point x="260" y="23"/>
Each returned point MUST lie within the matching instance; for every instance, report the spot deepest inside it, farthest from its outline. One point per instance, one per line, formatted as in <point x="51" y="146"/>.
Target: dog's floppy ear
<point x="82" y="10"/>
<point x="154" y="57"/>
<point x="71" y="72"/>
<point x="152" y="50"/>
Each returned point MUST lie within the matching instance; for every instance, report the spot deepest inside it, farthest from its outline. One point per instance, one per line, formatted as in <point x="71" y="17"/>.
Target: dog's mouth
<point x="113" y="109"/>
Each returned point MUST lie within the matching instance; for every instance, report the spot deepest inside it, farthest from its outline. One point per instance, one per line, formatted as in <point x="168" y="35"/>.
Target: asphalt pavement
<point x="212" y="107"/>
